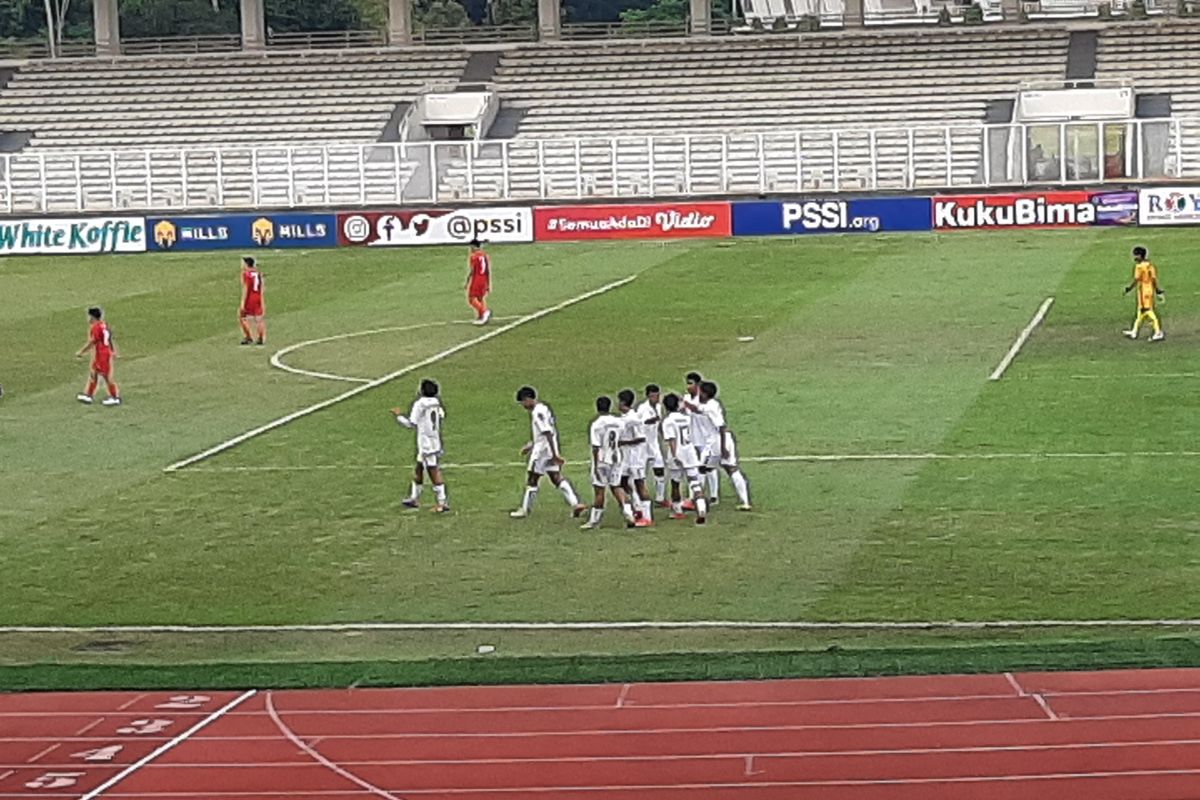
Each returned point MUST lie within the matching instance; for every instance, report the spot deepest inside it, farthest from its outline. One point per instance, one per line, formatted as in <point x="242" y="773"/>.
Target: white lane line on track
<point x="717" y="756"/>
<point x="1045" y="706"/>
<point x="170" y="744"/>
<point x="1023" y="337"/>
<point x="277" y="357"/>
<point x="131" y="702"/>
<point x="320" y="759"/>
<point x="89" y="726"/>
<point x="39" y="756"/>
<point x="391" y="376"/>
<point x="1012" y="681"/>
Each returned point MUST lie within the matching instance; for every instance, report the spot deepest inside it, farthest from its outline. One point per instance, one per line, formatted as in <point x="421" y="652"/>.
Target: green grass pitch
<point x="863" y="345"/>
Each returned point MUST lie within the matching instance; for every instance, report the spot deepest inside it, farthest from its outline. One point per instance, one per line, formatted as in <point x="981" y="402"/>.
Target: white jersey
<point x="605" y="434"/>
<point x="633" y="428"/>
<point x="426" y="416"/>
<point x="707" y="424"/>
<point x="677" y="428"/>
<point x="542" y="423"/>
<point x="651" y="416"/>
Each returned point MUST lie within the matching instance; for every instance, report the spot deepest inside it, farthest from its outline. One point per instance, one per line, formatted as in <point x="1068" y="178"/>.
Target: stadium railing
<point x="800" y="162"/>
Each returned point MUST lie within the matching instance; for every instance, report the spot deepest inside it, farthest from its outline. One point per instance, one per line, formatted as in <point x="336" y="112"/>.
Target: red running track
<point x="1128" y="735"/>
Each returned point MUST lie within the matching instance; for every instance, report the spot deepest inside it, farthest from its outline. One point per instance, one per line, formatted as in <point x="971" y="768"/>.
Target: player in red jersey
<point x="252" y="308"/>
<point x="100" y="340"/>
<point x="479" y="282"/>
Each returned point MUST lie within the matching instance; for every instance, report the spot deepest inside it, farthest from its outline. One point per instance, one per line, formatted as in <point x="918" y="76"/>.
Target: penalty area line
<point x="998" y="372"/>
<point x="229" y="444"/>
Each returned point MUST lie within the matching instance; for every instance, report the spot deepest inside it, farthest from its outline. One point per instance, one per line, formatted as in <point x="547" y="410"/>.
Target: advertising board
<point x="859" y="215"/>
<point x="72" y="236"/>
<point x="438" y="226"/>
<point x="643" y="221"/>
<point x="242" y="231"/>
<point x="1169" y="205"/>
<point x="1052" y="209"/>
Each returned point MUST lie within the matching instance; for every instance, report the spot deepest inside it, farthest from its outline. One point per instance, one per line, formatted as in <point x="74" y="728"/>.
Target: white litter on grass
<point x="745" y="338"/>
<point x="484" y="649"/>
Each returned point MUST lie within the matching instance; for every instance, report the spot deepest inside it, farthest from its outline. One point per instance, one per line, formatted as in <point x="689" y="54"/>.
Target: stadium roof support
<point x="108" y="27"/>
<point x="701" y="16"/>
<point x="254" y="25"/>
<point x="399" y="21"/>
<point x="549" y="18"/>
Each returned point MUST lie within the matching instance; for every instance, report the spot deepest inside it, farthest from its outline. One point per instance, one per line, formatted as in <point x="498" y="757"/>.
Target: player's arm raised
<point x="403" y="420"/>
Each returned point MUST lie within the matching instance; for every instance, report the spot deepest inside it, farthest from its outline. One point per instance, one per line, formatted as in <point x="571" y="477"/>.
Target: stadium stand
<point x="1160" y="57"/>
<point x="797" y="90"/>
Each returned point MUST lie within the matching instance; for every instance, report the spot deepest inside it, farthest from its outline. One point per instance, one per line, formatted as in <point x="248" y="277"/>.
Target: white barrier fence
<point x="743" y="163"/>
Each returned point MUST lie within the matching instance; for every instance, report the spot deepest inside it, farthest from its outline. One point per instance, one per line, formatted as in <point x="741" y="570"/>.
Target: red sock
<point x="91" y="388"/>
<point x="478" y="306"/>
<point x="113" y="391"/>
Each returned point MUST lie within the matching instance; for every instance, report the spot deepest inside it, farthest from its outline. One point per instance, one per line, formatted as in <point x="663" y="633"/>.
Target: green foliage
<point x="157" y="18"/>
<point x="373" y="13"/>
<point x="512" y="12"/>
<point x="313" y="15"/>
<point x="973" y="15"/>
<point x="658" y="11"/>
<point x="21" y="19"/>
<point x="440" y="14"/>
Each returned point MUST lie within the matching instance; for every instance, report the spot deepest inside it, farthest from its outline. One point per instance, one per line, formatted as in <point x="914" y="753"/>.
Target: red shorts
<point x="253" y="307"/>
<point x="102" y="364"/>
<point x="477" y="291"/>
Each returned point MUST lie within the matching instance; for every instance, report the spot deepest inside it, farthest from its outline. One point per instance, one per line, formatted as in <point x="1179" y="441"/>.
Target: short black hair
<point x="708" y="388"/>
<point x="429" y="388"/>
<point x="671" y="402"/>
<point x="626" y="397"/>
<point x="604" y="404"/>
<point x="526" y="393"/>
<point x="476" y="243"/>
<point x="652" y="388"/>
<point x="95" y="313"/>
<point x="693" y="377"/>
<point x="1140" y="251"/>
<point x="248" y="261"/>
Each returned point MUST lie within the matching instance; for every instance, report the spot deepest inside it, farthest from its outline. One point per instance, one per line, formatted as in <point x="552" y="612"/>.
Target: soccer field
<point x="1064" y="490"/>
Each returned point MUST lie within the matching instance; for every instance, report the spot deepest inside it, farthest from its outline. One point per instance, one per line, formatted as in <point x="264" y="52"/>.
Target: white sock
<point x="714" y="484"/>
<point x="568" y="491"/>
<point x="595" y="515"/>
<point x="701" y="506"/>
<point x="741" y="486"/>
<point x="530" y="496"/>
<point x="645" y="508"/>
<point x="676" y="507"/>
<point x="439" y="493"/>
<point x="696" y="488"/>
<point x="660" y="489"/>
<point x="415" y="492"/>
<point x="627" y="511"/>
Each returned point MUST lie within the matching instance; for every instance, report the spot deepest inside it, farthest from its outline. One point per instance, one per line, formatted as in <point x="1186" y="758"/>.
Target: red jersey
<point x="252" y="280"/>
<point x="481" y="269"/>
<point x="101" y="337"/>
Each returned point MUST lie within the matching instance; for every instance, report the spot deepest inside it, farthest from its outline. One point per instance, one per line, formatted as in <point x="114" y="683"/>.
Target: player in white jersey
<point x="544" y="455"/>
<point x="426" y="416"/>
<point x="604" y="436"/>
<point x="682" y="459"/>
<point x="651" y="414"/>
<point x="691" y="406"/>
<point x="634" y="455"/>
<point x="720" y="447"/>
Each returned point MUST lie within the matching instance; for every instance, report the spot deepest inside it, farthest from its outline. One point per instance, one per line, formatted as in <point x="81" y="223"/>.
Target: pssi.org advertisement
<point x="858" y="215"/>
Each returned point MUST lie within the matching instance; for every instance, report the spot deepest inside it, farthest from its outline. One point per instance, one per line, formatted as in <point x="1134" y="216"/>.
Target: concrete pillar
<point x="254" y="25"/>
<point x="108" y="27"/>
<point x="853" y="14"/>
<point x="701" y="13"/>
<point x="399" y="21"/>
<point x="549" y="21"/>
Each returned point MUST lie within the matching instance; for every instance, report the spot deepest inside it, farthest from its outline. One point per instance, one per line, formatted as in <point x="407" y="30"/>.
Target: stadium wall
<point x="1169" y="205"/>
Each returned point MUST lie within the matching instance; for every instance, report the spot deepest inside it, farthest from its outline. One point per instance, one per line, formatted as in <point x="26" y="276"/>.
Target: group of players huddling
<point x="685" y="438"/>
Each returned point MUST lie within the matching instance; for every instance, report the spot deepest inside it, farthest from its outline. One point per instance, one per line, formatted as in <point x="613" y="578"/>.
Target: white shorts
<point x="654" y="456"/>
<point x="685" y="475"/>
<point x="635" y="472"/>
<point x="710" y="455"/>
<point x="430" y="460"/>
<point x="606" y="475"/>
<point x="542" y="463"/>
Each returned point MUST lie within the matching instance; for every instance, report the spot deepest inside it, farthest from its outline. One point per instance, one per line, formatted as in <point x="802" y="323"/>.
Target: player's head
<point x="476" y="244"/>
<point x="95" y="314"/>
<point x="626" y="398"/>
<point x="604" y="404"/>
<point x="527" y="396"/>
<point x="1139" y="253"/>
<point x="653" y="393"/>
<point x="248" y="262"/>
<point x="708" y="390"/>
<point x="671" y="403"/>
<point x="693" y="382"/>
<point x="429" y="388"/>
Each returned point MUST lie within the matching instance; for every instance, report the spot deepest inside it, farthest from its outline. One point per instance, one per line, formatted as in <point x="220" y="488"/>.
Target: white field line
<point x="277" y="358"/>
<point x="998" y="373"/>
<point x="169" y="745"/>
<point x="638" y="625"/>
<point x="320" y="759"/>
<point x="706" y="787"/>
<point x="391" y="376"/>
<point x="1012" y="681"/>
<point x="800" y="457"/>
<point x="1045" y="706"/>
<point x="717" y="756"/>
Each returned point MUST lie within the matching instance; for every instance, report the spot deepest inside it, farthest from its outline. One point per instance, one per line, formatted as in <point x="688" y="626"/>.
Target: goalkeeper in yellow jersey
<point x="1145" y="280"/>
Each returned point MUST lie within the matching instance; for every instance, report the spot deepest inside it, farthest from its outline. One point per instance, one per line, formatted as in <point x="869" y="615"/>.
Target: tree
<point x="512" y="12"/>
<point x="158" y="18"/>
<point x="312" y="15"/>
<point x="56" y="20"/>
<point x="440" y="14"/>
